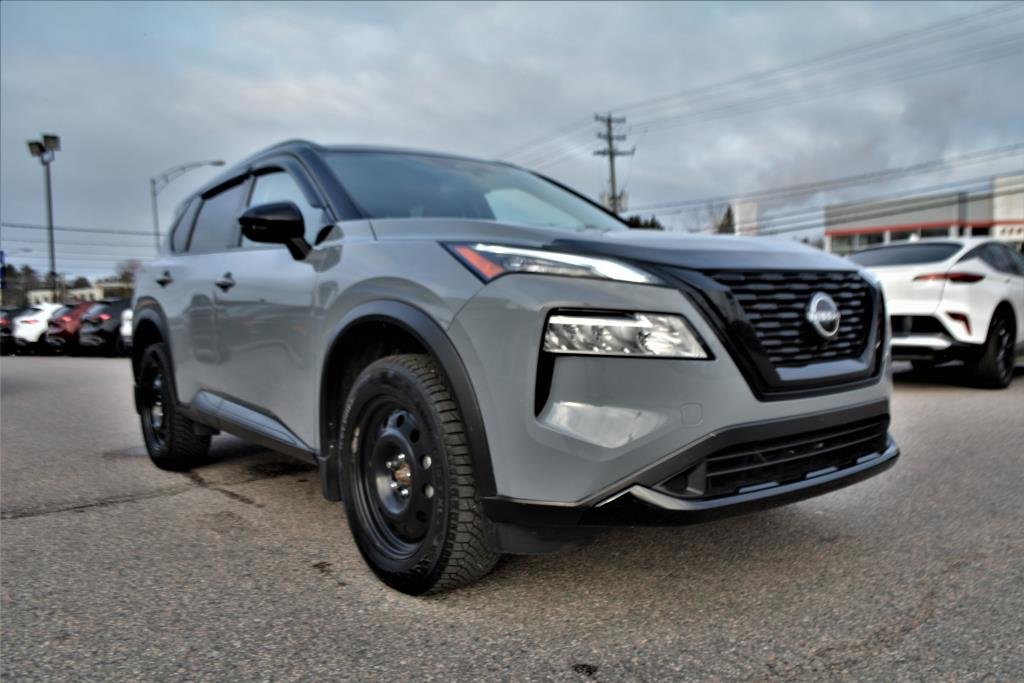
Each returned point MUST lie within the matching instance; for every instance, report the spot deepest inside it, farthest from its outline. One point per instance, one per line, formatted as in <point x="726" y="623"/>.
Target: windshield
<point x="400" y="185"/>
<point x="905" y="254"/>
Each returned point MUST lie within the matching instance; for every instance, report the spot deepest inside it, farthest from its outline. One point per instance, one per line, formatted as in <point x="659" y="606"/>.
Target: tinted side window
<point x="1010" y="260"/>
<point x="183" y="227"/>
<point x="216" y="226"/>
<point x="281" y="187"/>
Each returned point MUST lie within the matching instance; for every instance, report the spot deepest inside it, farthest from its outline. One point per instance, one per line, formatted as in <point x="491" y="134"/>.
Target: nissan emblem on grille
<point x="823" y="315"/>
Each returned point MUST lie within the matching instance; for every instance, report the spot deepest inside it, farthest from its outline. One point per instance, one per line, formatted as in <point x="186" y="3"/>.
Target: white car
<point x="29" y="328"/>
<point x="953" y="299"/>
<point x="124" y="343"/>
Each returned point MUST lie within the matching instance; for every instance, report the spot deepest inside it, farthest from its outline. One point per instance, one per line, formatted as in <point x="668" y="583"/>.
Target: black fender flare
<point x="148" y="310"/>
<point x="434" y="339"/>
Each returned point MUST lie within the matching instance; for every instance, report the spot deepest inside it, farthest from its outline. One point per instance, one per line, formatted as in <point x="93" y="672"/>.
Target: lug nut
<point x="426" y="462"/>
<point x="428" y="491"/>
<point x="393" y="485"/>
<point x="390" y="464"/>
<point x="401" y="457"/>
<point x="403" y="492"/>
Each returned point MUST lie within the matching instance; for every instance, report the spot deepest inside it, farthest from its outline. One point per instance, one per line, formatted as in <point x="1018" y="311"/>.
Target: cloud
<point x="134" y="89"/>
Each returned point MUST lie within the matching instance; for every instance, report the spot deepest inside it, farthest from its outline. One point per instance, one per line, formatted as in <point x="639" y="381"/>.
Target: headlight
<point x="623" y="334"/>
<point x="489" y="261"/>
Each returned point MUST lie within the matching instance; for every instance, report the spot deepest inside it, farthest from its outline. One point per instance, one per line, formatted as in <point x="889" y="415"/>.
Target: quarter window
<point x="183" y="227"/>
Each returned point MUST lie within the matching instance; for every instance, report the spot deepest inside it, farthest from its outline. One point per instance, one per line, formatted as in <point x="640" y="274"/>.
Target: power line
<point x="68" y="228"/>
<point x="870" y="177"/>
<point x="905" y="41"/>
<point x="868" y="213"/>
<point x="858" y="54"/>
<point x="989" y="52"/>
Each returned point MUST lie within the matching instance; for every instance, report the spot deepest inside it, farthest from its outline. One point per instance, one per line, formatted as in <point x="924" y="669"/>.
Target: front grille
<point x="780" y="461"/>
<point x="775" y="303"/>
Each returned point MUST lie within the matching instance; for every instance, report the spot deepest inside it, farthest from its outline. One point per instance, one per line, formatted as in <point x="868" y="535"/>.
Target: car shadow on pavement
<point x="954" y="375"/>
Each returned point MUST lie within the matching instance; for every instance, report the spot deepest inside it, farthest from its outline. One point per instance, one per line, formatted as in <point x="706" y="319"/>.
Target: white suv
<point x="953" y="299"/>
<point x="30" y="327"/>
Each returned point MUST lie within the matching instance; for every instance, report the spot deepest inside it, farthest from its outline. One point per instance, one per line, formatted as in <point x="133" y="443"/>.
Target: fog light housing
<point x="623" y="334"/>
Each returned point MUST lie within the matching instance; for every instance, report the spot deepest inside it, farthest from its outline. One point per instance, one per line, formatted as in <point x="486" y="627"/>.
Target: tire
<point x="170" y="437"/>
<point x="417" y="519"/>
<point x="994" y="368"/>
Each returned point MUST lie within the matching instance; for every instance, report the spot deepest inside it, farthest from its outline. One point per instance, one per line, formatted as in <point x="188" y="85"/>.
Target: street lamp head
<point x="36" y="148"/>
<point x="51" y="142"/>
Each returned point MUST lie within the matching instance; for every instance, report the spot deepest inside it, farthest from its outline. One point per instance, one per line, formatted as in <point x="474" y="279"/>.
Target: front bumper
<point x="583" y="428"/>
<point x="648" y="496"/>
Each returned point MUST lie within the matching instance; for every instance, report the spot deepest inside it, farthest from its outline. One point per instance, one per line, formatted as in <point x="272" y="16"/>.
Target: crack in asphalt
<point x="196" y="480"/>
<point x="832" y="658"/>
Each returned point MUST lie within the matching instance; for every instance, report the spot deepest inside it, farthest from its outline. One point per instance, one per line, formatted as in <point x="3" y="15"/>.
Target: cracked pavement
<point x="112" y="569"/>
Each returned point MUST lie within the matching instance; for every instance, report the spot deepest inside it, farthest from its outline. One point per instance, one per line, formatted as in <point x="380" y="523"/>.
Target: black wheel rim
<point x="154" y="402"/>
<point x="1004" y="350"/>
<point x="397" y="494"/>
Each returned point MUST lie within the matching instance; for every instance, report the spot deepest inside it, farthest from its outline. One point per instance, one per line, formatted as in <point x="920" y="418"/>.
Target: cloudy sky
<point x="135" y="88"/>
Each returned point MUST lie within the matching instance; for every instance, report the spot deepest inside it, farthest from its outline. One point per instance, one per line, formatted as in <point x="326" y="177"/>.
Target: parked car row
<point x="89" y="326"/>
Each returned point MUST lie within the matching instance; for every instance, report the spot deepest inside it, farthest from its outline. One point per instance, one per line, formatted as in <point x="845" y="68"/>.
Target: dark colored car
<point x="7" y="316"/>
<point x="65" y="326"/>
<point x="101" y="326"/>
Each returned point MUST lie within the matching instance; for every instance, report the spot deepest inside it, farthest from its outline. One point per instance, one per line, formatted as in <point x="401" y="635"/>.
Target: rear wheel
<point x="171" y="438"/>
<point x="407" y="479"/>
<point x="995" y="366"/>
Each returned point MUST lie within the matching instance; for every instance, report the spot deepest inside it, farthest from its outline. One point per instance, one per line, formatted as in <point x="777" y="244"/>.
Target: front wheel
<point x="408" y="486"/>
<point x="995" y="366"/>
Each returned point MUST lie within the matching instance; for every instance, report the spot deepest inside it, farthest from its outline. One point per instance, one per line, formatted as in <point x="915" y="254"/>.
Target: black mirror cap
<point x="276" y="223"/>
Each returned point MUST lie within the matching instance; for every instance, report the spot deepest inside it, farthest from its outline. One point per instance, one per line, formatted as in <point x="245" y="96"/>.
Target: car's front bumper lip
<point x="869" y="466"/>
<point x="633" y="499"/>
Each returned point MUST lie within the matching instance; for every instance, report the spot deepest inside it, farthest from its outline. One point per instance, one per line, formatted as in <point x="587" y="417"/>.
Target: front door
<point x="265" y="314"/>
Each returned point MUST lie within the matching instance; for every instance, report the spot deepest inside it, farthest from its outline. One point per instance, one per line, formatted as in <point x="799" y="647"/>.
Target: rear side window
<point x="905" y="254"/>
<point x="997" y="256"/>
<point x="216" y="226"/>
<point x="183" y="227"/>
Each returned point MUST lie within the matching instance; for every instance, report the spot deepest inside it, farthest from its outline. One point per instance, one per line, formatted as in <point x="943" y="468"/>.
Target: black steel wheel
<point x="407" y="479"/>
<point x="171" y="439"/>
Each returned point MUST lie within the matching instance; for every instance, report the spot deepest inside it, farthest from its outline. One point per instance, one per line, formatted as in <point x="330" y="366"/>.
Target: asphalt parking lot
<point x="112" y="569"/>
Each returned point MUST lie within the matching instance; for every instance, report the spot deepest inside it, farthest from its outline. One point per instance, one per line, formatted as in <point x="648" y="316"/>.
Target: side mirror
<point x="277" y="223"/>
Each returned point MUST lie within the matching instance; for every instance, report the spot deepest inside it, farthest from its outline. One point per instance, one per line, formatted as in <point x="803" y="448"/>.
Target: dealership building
<point x="996" y="211"/>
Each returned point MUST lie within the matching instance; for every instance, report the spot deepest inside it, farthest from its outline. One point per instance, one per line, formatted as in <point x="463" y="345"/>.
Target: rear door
<point x="265" y="309"/>
<point x="185" y="282"/>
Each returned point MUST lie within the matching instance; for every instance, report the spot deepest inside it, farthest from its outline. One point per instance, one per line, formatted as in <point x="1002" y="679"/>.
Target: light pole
<point x="158" y="183"/>
<point x="45" y="150"/>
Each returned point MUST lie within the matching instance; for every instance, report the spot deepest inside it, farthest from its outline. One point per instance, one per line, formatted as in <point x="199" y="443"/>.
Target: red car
<point x="65" y="324"/>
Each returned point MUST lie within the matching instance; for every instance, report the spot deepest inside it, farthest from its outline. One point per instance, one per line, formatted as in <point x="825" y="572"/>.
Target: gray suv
<point x="481" y="361"/>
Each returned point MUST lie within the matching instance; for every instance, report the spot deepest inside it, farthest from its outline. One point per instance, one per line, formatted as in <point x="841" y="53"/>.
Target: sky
<point x="133" y="89"/>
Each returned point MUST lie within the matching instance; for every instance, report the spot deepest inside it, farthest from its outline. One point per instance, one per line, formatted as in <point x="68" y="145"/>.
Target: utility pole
<point x="615" y="199"/>
<point x="45" y="150"/>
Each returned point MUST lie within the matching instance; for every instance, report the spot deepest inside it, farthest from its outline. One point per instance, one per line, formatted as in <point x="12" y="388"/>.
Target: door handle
<point x="225" y="282"/>
<point x="165" y="279"/>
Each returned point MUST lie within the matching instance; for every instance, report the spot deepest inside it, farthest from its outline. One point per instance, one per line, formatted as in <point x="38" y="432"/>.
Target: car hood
<point x="706" y="252"/>
<point x="698" y="252"/>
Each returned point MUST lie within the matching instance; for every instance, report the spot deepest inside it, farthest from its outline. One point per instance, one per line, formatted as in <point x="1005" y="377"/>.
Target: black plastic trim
<point x="726" y="316"/>
<point x="433" y="338"/>
<point x="544" y="514"/>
